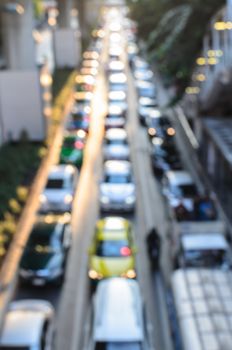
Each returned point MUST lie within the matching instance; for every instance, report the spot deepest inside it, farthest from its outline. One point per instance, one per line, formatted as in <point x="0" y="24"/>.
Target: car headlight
<point x="68" y="199"/>
<point x="152" y="131"/>
<point x="42" y="198"/>
<point x="130" y="200"/>
<point x="105" y="200"/>
<point x="129" y="274"/>
<point x="94" y="275"/>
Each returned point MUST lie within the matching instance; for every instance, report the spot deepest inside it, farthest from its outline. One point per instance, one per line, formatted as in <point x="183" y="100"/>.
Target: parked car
<point x="160" y="126"/>
<point x="145" y="75"/>
<point x="58" y="193"/>
<point x="115" y="117"/>
<point x="116" y="145"/>
<point x="204" y="250"/>
<point x="116" y="66"/>
<point x="164" y="157"/>
<point x="117" y="189"/>
<point x="145" y="89"/>
<point x="83" y="98"/>
<point x="179" y="189"/>
<point x="73" y="148"/>
<point x="44" y="258"/>
<point x="28" y="325"/>
<point x="145" y="106"/>
<point x="112" y="252"/>
<point x="118" y="316"/>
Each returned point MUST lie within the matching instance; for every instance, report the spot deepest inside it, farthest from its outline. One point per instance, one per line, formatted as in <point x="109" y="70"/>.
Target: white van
<point x="118" y="318"/>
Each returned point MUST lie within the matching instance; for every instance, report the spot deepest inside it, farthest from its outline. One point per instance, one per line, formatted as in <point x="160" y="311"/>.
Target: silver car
<point x="60" y="188"/>
<point x="117" y="189"/>
<point x="116" y="145"/>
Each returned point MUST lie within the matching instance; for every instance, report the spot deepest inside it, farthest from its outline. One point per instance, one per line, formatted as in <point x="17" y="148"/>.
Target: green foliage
<point x="173" y="31"/>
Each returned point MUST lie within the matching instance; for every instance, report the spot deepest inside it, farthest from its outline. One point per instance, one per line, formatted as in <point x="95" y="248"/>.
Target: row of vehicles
<point x="199" y="302"/>
<point x="29" y="323"/>
<point x="118" y="311"/>
<point x="197" y="232"/>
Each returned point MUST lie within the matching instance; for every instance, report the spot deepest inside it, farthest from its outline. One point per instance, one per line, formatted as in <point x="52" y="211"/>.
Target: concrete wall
<point x="20" y="105"/>
<point x="67" y="48"/>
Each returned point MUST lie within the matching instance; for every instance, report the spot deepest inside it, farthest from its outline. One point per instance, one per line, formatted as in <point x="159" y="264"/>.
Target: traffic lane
<point x="75" y="299"/>
<point x="49" y="292"/>
<point x="150" y="213"/>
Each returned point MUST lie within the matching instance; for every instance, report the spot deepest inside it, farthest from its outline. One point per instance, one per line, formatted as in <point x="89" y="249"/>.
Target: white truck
<point x="202" y="303"/>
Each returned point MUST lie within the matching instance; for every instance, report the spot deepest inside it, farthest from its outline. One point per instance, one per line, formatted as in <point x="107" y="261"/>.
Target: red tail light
<point x="79" y="145"/>
<point x="125" y="251"/>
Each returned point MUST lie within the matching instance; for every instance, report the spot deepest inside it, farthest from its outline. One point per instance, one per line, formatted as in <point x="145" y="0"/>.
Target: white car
<point x="118" y="316"/>
<point x="115" y="145"/>
<point x="118" y="82"/>
<point x="179" y="188"/>
<point x="28" y="326"/>
<point x="118" y="98"/>
<point x="115" y="118"/>
<point x="60" y="188"/>
<point x="117" y="190"/>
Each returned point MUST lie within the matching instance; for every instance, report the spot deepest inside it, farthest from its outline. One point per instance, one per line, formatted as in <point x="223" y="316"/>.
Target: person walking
<point x="153" y="241"/>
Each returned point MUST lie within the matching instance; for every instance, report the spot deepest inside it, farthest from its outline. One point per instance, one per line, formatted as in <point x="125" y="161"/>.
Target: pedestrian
<point x="153" y="246"/>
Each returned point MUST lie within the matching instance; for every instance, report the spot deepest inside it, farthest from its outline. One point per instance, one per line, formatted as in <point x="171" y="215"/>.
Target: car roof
<point x="116" y="133"/>
<point x="114" y="109"/>
<point x="204" y="241"/>
<point x="117" y="78"/>
<point x="118" y="318"/>
<point x="24" y="322"/>
<point x="117" y="95"/>
<point x="117" y="166"/>
<point x="179" y="177"/>
<point x="112" y="223"/>
<point x="61" y="171"/>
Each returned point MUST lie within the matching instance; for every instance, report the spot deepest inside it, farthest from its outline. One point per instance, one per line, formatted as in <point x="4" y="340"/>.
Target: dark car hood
<point x="35" y="261"/>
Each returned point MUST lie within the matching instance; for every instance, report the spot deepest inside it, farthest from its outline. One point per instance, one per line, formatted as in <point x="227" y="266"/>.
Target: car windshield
<point x="206" y="258"/>
<point x="116" y="142"/>
<point x="55" y="184"/>
<point x="118" y="346"/>
<point x="113" y="249"/>
<point x="188" y="190"/>
<point x="69" y="143"/>
<point x="117" y="179"/>
<point x="44" y="240"/>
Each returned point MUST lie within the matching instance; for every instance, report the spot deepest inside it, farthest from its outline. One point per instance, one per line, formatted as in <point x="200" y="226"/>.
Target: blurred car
<point x="28" y="325"/>
<point x="78" y="122"/>
<point x="118" y="98"/>
<point x="145" y="89"/>
<point x="115" y="53"/>
<point x="73" y="148"/>
<point x="112" y="252"/>
<point x="179" y="188"/>
<point x="115" y="117"/>
<point x="116" y="145"/>
<point x="160" y="126"/>
<point x="59" y="191"/>
<point x="85" y="83"/>
<point x="117" y="189"/>
<point x="91" y="55"/>
<point x="44" y="258"/>
<point x="117" y="82"/>
<point x="90" y="63"/>
<point x="119" y="317"/>
<point x="164" y="157"/>
<point x="89" y="71"/>
<point x="83" y="98"/>
<point x="145" y="106"/>
<point x="139" y="63"/>
<point x="116" y="66"/>
<point x="144" y="75"/>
